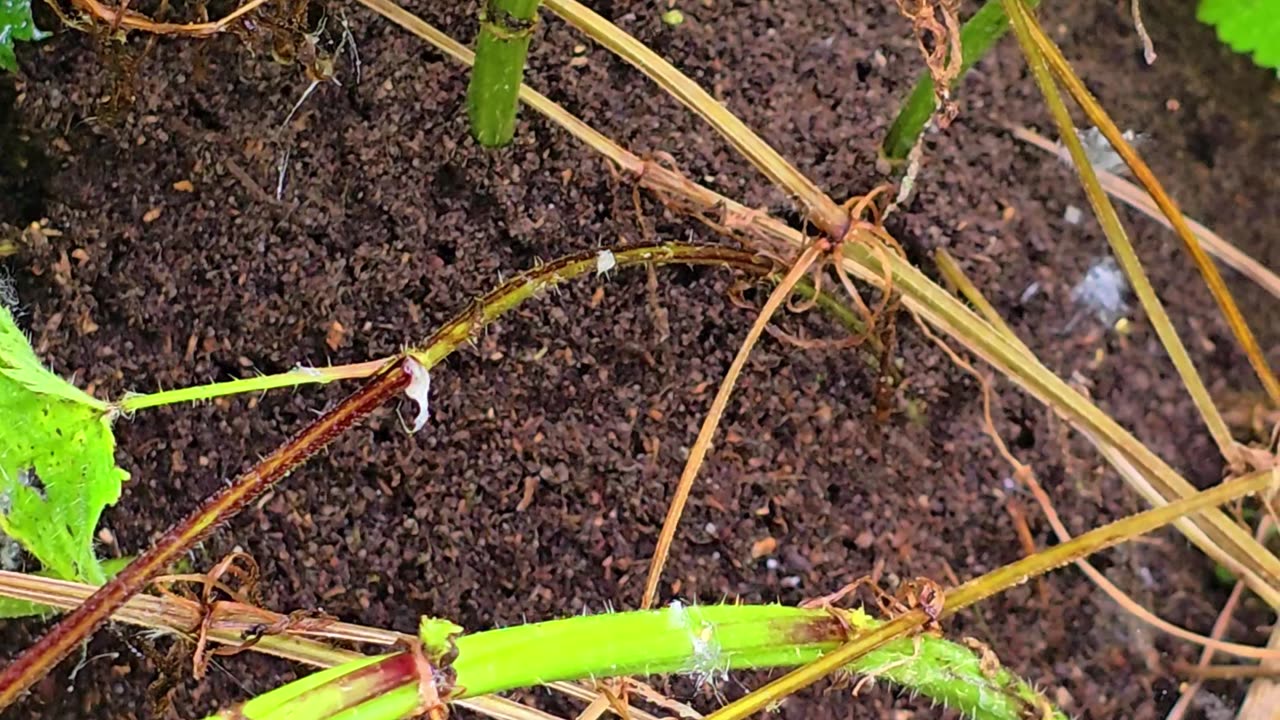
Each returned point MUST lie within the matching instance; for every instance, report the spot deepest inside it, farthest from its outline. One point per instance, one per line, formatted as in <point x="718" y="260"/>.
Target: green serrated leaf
<point x="1250" y="27"/>
<point x="57" y="461"/>
<point x="16" y="24"/>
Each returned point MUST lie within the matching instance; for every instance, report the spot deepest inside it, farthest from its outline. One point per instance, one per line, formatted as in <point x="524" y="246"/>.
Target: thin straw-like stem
<point x="1137" y="198"/>
<point x="1118" y="238"/>
<point x="1058" y="64"/>
<point x="712" y="421"/>
<point x="996" y="581"/>
<point x="814" y="204"/>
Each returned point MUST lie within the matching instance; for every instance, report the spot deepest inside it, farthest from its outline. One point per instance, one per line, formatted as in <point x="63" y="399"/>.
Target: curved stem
<point x="514" y="291"/>
<point x="698" y="453"/>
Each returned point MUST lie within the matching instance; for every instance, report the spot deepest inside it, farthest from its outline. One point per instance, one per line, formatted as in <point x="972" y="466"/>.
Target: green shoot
<point x="506" y="27"/>
<point x="977" y="36"/>
<point x="703" y="641"/>
<point x="133" y="402"/>
<point x="1249" y="28"/>
<point x="57" y="464"/>
<point x="16" y="24"/>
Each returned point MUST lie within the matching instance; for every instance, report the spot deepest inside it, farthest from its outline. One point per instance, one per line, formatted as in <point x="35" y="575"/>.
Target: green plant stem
<point x="977" y="36"/>
<point x="506" y="28"/>
<point x="705" y="641"/>
<point x="133" y="402"/>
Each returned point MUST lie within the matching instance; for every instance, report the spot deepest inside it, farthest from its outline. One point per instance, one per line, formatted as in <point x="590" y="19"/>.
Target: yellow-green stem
<point x="1117" y="237"/>
<point x="1213" y="279"/>
<point x="994" y="582"/>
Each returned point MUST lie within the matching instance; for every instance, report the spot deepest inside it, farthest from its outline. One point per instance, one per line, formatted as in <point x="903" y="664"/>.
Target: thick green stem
<point x="506" y="27"/>
<point x="977" y="36"/>
<point x="704" y="641"/>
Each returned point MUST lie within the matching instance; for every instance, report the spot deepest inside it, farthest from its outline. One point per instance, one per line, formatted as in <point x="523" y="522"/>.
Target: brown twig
<point x="127" y="19"/>
<point x="1206" y="656"/>
<point x="1225" y="672"/>
<point x="698" y="452"/>
<point x="937" y="28"/>
<point x="1028" y="541"/>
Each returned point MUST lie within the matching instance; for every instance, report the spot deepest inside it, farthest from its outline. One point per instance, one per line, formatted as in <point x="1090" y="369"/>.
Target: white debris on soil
<point x="419" y="391"/>
<point x="1073" y="215"/>
<point x="1102" y="293"/>
<point x="1099" y="151"/>
<point x="605" y="261"/>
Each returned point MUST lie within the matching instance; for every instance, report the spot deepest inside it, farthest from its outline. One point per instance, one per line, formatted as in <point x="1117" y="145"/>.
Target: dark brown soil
<point x="392" y="219"/>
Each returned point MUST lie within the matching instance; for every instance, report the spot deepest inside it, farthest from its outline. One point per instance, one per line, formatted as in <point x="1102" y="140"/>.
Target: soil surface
<point x="539" y="485"/>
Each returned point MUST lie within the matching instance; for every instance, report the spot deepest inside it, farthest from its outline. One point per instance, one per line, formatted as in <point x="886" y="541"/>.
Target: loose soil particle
<point x="539" y="485"/>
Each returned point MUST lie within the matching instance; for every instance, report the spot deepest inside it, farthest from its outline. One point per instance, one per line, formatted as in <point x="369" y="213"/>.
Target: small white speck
<point x="605" y="261"/>
<point x="308" y="371"/>
<point x="1073" y="215"/>
<point x="419" y="391"/>
<point x="710" y="528"/>
<point x="771" y="563"/>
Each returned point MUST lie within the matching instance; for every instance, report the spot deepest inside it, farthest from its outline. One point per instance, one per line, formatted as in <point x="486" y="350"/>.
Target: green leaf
<point x="16" y="24"/>
<point x="1250" y="27"/>
<point x="57" y="461"/>
<point x="14" y="608"/>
